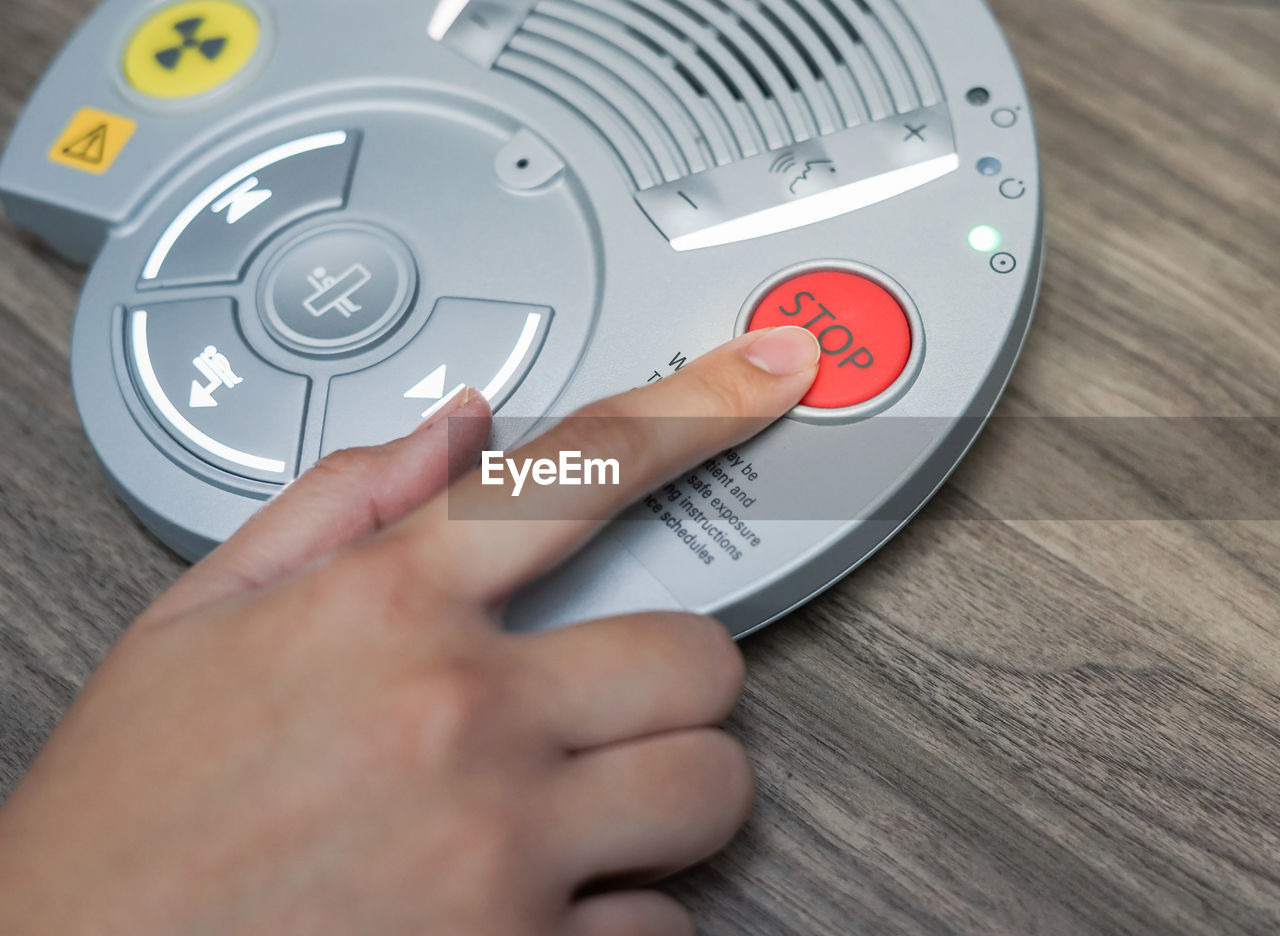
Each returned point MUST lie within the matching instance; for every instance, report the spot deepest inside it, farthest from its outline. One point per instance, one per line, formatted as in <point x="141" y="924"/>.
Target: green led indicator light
<point x="984" y="238"/>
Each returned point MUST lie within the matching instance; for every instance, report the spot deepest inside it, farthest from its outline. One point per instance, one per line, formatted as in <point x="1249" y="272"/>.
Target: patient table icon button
<point x="335" y="292"/>
<point x="338" y="289"/>
<point x="217" y="372"/>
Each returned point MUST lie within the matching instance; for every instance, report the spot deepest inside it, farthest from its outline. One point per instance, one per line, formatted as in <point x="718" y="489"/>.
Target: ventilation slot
<point x="680" y="86"/>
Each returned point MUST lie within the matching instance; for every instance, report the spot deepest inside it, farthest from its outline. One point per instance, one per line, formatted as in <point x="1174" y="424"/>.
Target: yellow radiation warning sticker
<point x="92" y="140"/>
<point x="186" y="49"/>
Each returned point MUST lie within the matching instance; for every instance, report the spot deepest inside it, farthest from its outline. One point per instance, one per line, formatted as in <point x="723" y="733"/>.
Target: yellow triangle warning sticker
<point x="89" y="148"/>
<point x="92" y="140"/>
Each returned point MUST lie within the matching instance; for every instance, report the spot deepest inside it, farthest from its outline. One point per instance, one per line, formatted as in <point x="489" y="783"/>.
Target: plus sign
<point x="916" y="133"/>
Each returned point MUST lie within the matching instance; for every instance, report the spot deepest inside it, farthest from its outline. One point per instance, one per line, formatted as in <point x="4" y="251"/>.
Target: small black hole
<point x="978" y="96"/>
<point x="522" y="163"/>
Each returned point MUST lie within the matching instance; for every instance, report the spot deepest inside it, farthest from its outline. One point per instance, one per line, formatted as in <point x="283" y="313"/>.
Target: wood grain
<point x="1049" y="717"/>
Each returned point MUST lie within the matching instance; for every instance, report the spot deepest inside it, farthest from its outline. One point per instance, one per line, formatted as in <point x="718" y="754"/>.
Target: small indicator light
<point x="984" y="238"/>
<point x="989" y="165"/>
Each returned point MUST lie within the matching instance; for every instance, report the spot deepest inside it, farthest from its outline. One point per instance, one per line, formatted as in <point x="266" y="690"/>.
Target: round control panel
<point x="283" y="305"/>
<point x="317" y="225"/>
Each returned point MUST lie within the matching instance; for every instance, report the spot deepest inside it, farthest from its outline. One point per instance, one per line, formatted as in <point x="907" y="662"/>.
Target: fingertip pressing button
<point x="864" y="334"/>
<point x="466" y="342"/>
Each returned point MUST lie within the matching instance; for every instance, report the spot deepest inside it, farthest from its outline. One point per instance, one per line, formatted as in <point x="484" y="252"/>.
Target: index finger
<point x="478" y="541"/>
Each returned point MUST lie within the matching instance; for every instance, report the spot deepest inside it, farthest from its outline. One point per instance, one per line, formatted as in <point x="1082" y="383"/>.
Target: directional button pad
<point x="471" y="342"/>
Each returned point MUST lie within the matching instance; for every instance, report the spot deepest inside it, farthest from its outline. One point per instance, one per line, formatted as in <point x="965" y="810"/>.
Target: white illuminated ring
<point x="142" y="358"/>
<point x="523" y="343"/>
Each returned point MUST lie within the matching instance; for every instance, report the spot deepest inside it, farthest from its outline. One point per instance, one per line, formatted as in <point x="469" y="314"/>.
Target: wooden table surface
<point x="1052" y="704"/>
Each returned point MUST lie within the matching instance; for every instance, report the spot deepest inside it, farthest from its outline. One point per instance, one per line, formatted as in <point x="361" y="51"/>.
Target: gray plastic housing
<point x="530" y="169"/>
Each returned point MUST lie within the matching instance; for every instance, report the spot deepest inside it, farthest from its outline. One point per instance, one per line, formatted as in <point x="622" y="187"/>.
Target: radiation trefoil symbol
<point x="189" y="30"/>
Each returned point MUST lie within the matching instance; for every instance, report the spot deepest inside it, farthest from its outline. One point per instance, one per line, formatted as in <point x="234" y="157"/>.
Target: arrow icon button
<point x="430" y="387"/>
<point x="201" y="396"/>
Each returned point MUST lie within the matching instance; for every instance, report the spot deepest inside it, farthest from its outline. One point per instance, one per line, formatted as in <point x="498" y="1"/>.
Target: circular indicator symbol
<point x="188" y="49"/>
<point x="1004" y="263"/>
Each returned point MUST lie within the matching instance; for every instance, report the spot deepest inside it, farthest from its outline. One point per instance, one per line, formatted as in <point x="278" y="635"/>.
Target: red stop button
<point x="864" y="334"/>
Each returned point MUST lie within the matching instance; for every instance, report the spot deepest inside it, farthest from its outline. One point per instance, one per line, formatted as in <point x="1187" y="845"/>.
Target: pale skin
<point x="322" y="728"/>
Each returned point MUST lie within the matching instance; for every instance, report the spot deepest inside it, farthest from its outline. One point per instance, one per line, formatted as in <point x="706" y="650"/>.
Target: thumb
<point x="342" y="498"/>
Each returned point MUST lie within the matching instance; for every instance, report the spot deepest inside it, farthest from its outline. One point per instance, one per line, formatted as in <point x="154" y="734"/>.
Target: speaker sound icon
<point x="783" y="164"/>
<point x="797" y="172"/>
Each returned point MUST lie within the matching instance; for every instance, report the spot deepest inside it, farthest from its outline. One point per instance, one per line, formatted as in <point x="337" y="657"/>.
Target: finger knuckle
<point x="633" y="913"/>
<point x="675" y="916"/>
<point x="424" y="720"/>
<point x="491" y="847"/>
<point x="332" y="597"/>
<point x="408" y="587"/>
<point x="723" y="395"/>
<point x="316" y="610"/>
<point x="610" y="430"/>
<point x="681" y="922"/>
<point x="458" y="705"/>
<point x="707" y="645"/>
<point x="347" y="464"/>
<point x="717" y="652"/>
<point x="729" y="768"/>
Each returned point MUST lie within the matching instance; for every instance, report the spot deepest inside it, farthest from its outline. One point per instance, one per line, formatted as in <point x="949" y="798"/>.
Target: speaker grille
<point x="680" y="86"/>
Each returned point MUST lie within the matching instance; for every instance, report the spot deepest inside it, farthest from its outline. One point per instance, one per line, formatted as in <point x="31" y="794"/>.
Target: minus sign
<point x="688" y="199"/>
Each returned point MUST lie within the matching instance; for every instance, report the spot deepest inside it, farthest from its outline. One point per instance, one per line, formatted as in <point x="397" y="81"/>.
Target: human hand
<point x="322" y="728"/>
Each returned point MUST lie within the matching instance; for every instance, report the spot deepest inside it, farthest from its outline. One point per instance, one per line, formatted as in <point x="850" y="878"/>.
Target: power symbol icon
<point x="1013" y="188"/>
